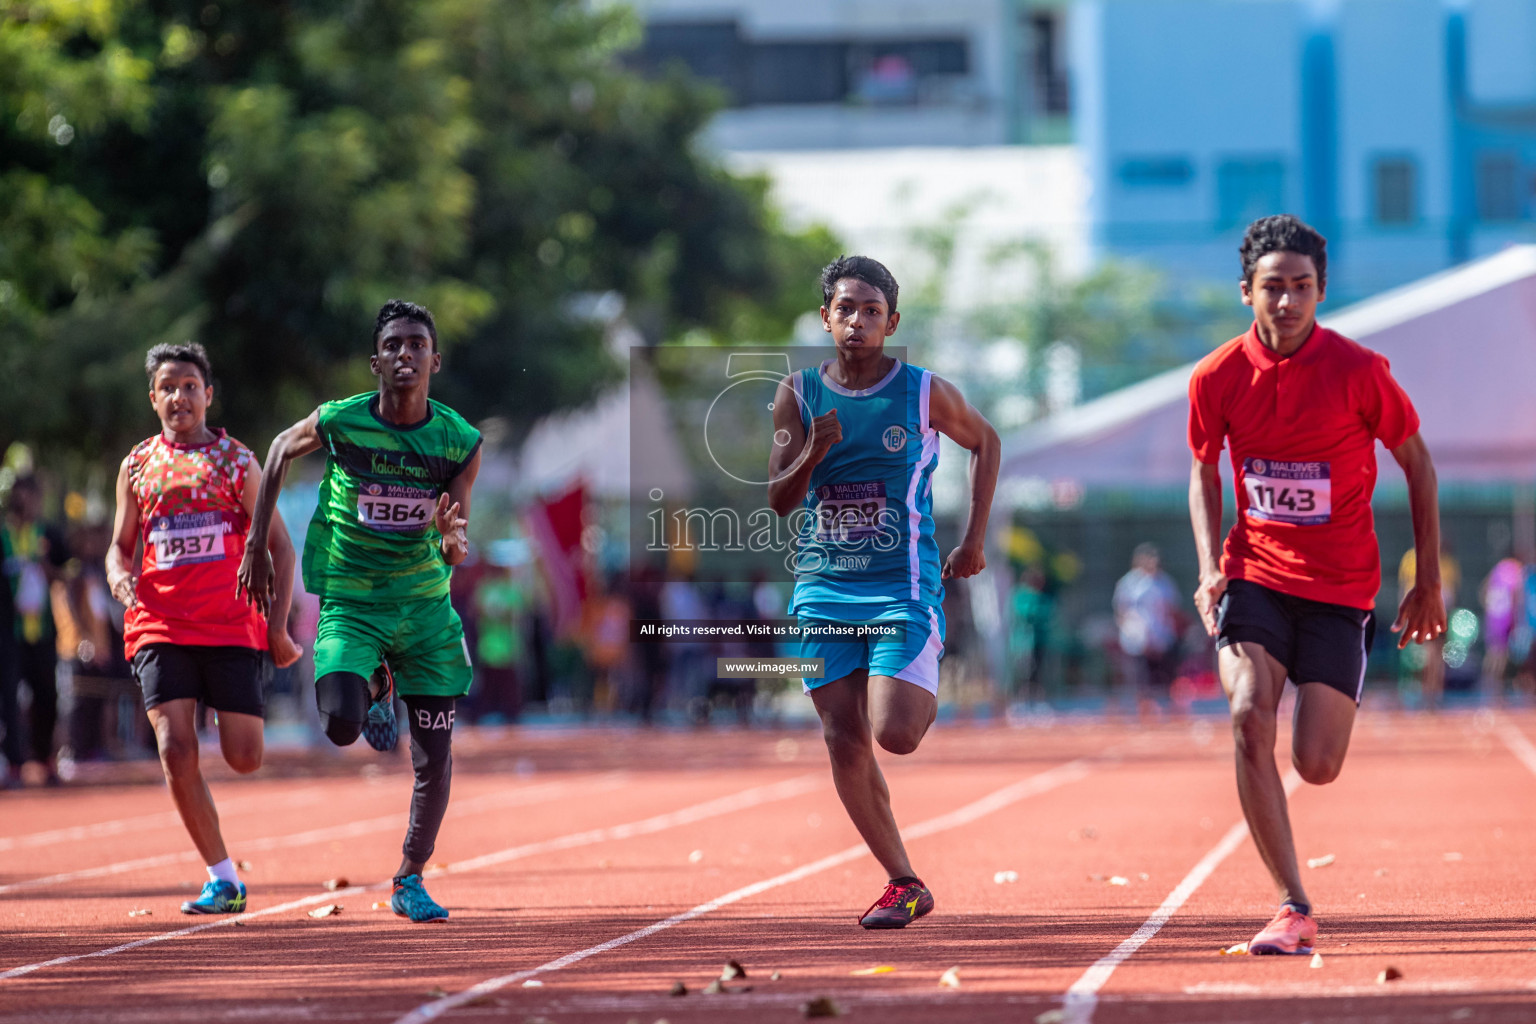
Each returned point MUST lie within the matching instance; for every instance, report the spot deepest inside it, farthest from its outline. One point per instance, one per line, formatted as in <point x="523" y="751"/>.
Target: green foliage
<point x="261" y="177"/>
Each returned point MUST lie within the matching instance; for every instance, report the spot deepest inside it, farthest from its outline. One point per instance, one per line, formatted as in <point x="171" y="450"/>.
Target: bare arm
<point x="1421" y="614"/>
<point x="1205" y="515"/>
<point x="790" y="464"/>
<point x="125" y="539"/>
<point x="256" y="575"/>
<point x="284" y="651"/>
<point x="453" y="520"/>
<point x="958" y="420"/>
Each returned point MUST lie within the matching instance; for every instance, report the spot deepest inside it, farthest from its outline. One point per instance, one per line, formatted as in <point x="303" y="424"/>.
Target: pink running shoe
<point x="1289" y="934"/>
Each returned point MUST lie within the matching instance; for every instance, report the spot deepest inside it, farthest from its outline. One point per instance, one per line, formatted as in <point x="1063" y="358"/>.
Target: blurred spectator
<point x="605" y="640"/>
<point x="1146" y="605"/>
<point x="1030" y="632"/>
<point x="34" y="555"/>
<point x="690" y="666"/>
<point x="500" y="606"/>
<point x="1503" y="594"/>
<point x="107" y="717"/>
<point x="1432" y="681"/>
<point x="651" y="659"/>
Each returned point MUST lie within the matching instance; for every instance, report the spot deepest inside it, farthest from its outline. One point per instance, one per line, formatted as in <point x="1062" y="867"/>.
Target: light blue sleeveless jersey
<point x="866" y="537"/>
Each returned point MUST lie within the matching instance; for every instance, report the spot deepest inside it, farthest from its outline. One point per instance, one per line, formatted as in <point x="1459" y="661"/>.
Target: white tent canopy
<point x="1462" y="344"/>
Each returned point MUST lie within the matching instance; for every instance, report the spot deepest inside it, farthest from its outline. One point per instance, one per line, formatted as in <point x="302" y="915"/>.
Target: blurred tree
<point x="260" y="177"/>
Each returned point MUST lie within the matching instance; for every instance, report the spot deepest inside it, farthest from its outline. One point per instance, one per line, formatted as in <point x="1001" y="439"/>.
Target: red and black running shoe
<point x="903" y="903"/>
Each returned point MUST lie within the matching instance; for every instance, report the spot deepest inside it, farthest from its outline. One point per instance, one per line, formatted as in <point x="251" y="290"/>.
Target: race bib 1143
<point x="1299" y="493"/>
<point x="188" y="538"/>
<point x="395" y="508"/>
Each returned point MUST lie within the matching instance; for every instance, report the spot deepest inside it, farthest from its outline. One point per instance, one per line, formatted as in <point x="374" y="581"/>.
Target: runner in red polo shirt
<point x="1301" y="409"/>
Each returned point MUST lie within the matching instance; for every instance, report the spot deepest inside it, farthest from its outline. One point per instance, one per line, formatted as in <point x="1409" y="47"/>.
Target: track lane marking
<point x="747" y="798"/>
<point x="1082" y="998"/>
<point x="118" y="826"/>
<point x="490" y="801"/>
<point x="1518" y="745"/>
<point x="995" y="801"/>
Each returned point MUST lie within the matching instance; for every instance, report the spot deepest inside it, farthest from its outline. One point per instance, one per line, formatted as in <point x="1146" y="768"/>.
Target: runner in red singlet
<point x="187" y="494"/>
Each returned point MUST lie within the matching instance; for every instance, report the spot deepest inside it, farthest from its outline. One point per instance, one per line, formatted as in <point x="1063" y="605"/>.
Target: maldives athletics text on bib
<point x="1299" y="493"/>
<point x="373" y="536"/>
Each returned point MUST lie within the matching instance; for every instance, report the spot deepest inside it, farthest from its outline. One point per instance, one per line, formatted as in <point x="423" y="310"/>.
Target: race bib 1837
<point x="1299" y="493"/>
<point x="188" y="538"/>
<point x="849" y="512"/>
<point x="395" y="508"/>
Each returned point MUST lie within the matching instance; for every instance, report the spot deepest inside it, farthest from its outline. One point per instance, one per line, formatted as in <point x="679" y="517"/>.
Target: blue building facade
<point x="1405" y="130"/>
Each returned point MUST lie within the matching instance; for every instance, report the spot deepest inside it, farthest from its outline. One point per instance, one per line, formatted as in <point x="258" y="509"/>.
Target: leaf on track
<point x="1241" y="949"/>
<point x="1119" y="880"/>
<point x="437" y="992"/>
<point x="678" y="989"/>
<point x="821" y="1006"/>
<point x="243" y="865"/>
<point x="950" y="978"/>
<point x="882" y="969"/>
<point x="332" y="884"/>
<point x="732" y="970"/>
<point x="533" y="983"/>
<point x="1317" y="960"/>
<point x="695" y="856"/>
<point x="140" y="913"/>
<point x="1320" y="862"/>
<point x="329" y="910"/>
<point x="1388" y="974"/>
<point x="1004" y="877"/>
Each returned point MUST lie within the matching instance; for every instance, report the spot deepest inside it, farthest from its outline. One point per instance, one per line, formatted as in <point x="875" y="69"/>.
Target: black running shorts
<point x="224" y="678"/>
<point x="1317" y="642"/>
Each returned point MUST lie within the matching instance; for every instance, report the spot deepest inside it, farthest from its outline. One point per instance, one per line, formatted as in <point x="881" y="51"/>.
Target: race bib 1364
<point x="1299" y="493"/>
<point x="394" y="508"/>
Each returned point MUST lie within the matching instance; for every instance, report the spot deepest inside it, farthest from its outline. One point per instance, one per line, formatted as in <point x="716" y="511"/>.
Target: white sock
<point x="223" y="871"/>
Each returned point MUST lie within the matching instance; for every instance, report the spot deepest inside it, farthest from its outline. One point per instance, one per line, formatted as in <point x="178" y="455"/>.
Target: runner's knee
<point x="243" y="760"/>
<point x="342" y="698"/>
<point x="1317" y="767"/>
<point x="846" y="745"/>
<point x="899" y="738"/>
<point x="178" y="755"/>
<point x="1253" y="728"/>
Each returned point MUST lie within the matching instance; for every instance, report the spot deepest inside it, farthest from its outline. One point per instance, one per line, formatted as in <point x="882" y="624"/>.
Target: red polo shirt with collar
<point x="1302" y="431"/>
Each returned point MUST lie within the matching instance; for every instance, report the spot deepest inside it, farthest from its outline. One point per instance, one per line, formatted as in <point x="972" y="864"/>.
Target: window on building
<point x="1395" y="199"/>
<point x="902" y="72"/>
<point x="1046" y="32"/>
<point x="1498" y="186"/>
<point x="1154" y="171"/>
<point x="1249" y="189"/>
<point x="712" y="50"/>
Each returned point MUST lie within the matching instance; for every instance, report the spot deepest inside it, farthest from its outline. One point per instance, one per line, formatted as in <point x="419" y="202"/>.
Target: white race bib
<point x="849" y="512"/>
<point x="395" y="508"/>
<point x="188" y="538"/>
<point x="1299" y="493"/>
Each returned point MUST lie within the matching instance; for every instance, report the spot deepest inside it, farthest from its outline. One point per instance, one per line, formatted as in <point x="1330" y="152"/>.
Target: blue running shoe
<point x="409" y="899"/>
<point x="218" y="897"/>
<point x="380" y="728"/>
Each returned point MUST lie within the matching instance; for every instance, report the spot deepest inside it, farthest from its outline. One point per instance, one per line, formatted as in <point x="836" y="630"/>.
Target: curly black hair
<point x="399" y="309"/>
<point x="1283" y="233"/>
<point x="186" y="352"/>
<point x="860" y="268"/>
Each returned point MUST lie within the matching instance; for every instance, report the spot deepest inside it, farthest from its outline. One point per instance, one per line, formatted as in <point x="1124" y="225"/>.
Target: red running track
<point x="605" y="865"/>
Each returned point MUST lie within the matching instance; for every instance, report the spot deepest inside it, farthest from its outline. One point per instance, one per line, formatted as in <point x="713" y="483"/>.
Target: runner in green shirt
<point x="389" y="526"/>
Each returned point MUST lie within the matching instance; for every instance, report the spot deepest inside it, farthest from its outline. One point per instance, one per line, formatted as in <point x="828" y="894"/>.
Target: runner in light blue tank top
<point x="856" y="443"/>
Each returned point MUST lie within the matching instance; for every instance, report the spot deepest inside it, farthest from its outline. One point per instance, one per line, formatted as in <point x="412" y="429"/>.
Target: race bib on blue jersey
<point x="850" y="512"/>
<point x="1299" y="493"/>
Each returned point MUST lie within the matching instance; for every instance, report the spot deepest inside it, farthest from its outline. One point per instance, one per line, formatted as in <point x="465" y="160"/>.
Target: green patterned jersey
<point x="373" y="536"/>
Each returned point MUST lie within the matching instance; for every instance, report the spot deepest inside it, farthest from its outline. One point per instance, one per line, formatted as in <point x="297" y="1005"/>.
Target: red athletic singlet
<point x="193" y="527"/>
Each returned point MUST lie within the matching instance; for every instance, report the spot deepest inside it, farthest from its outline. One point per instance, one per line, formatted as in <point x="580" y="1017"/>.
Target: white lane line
<point x="397" y="820"/>
<point x="118" y="826"/>
<point x="1083" y="997"/>
<point x="1518" y="745"/>
<point x="1035" y="784"/>
<point x="752" y="797"/>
